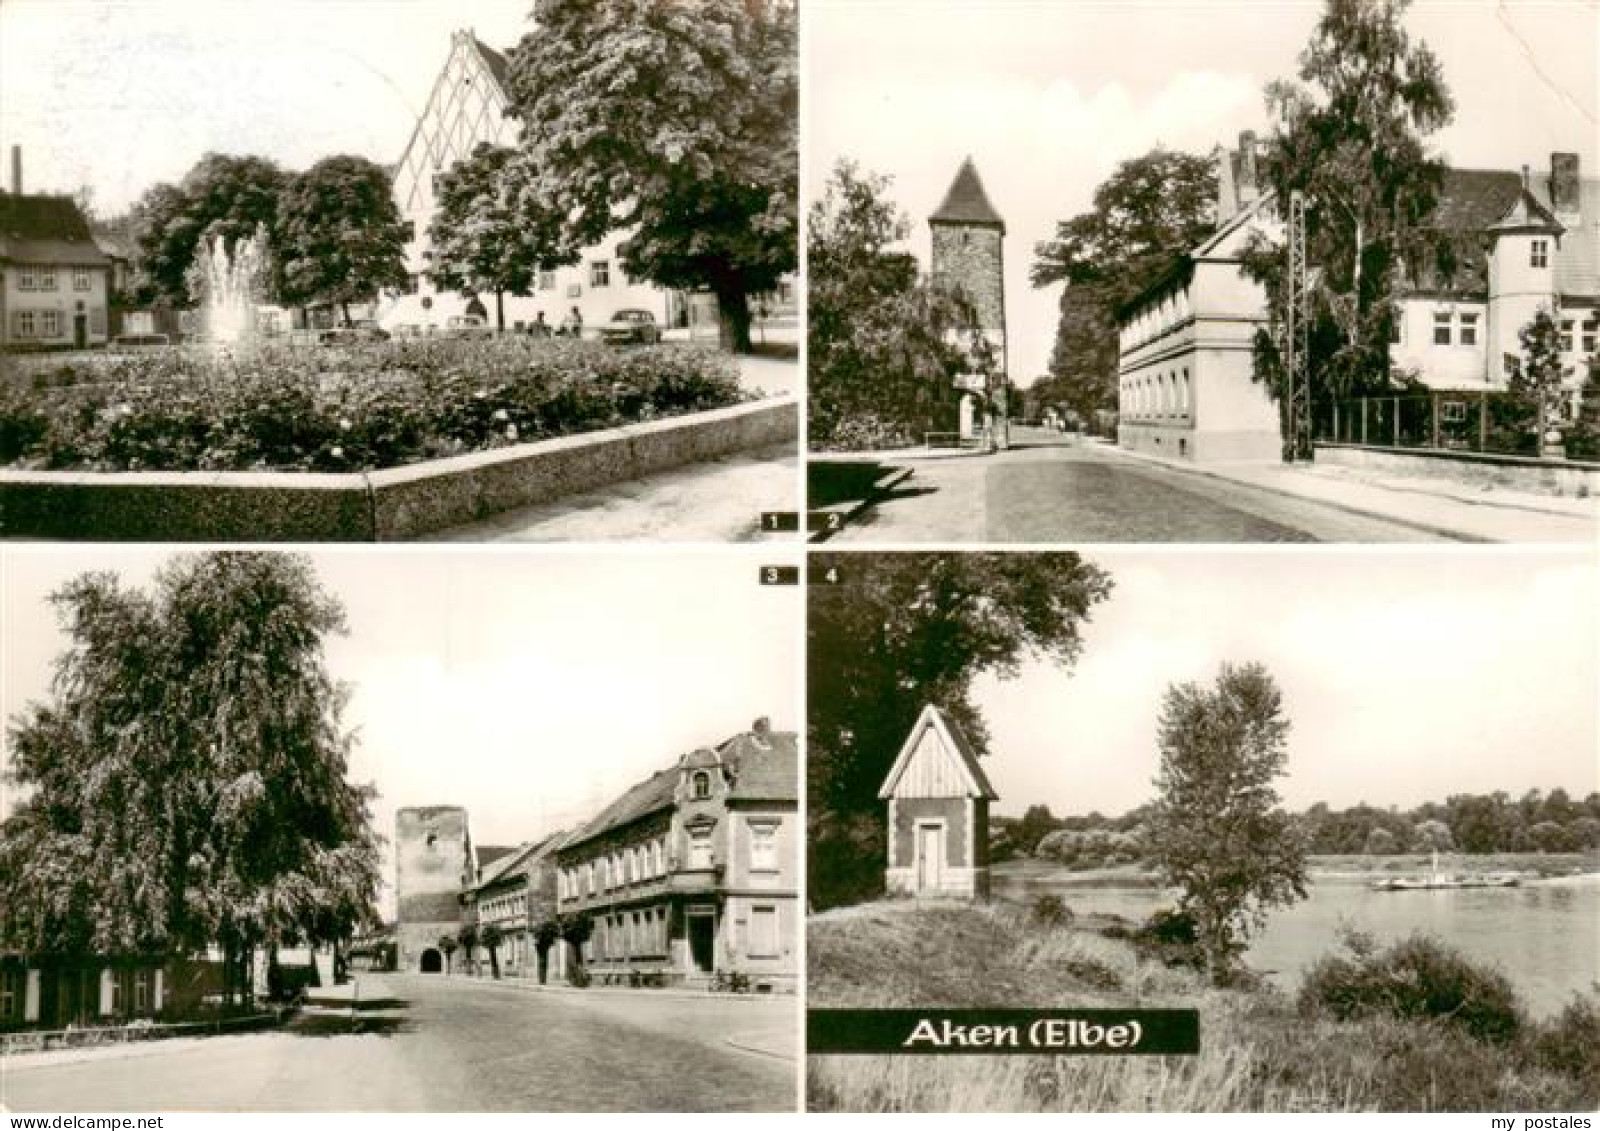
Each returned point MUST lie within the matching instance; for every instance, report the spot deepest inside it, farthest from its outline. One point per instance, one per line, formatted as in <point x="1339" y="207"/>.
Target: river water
<point x="1544" y="935"/>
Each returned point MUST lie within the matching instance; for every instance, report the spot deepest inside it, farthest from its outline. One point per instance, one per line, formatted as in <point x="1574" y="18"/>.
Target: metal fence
<point x="1493" y="422"/>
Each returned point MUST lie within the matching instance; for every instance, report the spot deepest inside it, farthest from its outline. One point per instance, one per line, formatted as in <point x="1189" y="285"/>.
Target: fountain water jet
<point x="228" y="282"/>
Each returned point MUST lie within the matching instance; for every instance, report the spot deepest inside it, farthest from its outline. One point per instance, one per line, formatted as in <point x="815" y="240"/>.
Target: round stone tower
<point x="969" y="256"/>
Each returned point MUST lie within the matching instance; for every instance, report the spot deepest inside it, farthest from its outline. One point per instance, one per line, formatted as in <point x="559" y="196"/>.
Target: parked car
<point x="352" y="335"/>
<point x="631" y="326"/>
<point x="467" y="326"/>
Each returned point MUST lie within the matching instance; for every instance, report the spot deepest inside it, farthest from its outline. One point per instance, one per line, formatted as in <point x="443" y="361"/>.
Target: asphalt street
<point x="1047" y="488"/>
<point x="448" y="1044"/>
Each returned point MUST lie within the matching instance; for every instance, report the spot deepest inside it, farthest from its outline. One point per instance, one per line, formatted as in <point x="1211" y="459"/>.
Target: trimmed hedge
<point x="386" y="404"/>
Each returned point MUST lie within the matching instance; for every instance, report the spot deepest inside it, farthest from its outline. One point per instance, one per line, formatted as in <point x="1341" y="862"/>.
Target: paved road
<point x="1048" y="489"/>
<point x="448" y="1045"/>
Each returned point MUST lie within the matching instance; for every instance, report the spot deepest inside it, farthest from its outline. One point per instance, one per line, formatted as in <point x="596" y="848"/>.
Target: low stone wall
<point x="48" y="1040"/>
<point x="399" y="503"/>
<point x="1518" y="473"/>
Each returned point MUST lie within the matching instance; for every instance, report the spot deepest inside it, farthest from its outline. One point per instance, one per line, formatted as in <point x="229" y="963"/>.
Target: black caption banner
<point x="1119" y="1032"/>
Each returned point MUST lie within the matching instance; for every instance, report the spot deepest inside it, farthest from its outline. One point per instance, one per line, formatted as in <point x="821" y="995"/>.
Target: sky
<point x="1407" y="676"/>
<point x="531" y="687"/>
<point x="1049" y="96"/>
<point x="122" y="94"/>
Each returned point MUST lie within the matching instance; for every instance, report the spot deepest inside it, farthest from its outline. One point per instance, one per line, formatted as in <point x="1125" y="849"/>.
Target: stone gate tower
<point x="433" y="859"/>
<point x="969" y="254"/>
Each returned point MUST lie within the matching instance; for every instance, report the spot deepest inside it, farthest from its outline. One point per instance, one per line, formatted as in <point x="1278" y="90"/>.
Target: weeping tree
<point x="185" y="784"/>
<point x="469" y="938"/>
<point x="545" y="936"/>
<point x="1350" y="137"/>
<point x="447" y="947"/>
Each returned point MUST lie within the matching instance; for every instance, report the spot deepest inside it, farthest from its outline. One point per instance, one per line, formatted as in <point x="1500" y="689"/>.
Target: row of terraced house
<point x="690" y="877"/>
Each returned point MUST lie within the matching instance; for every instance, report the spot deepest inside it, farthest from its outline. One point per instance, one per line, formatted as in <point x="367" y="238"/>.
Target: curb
<point x="377" y="506"/>
<point x="1450" y="533"/>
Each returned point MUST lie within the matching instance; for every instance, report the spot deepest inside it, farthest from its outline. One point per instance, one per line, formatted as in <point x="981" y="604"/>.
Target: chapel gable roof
<point x="48" y="230"/>
<point x="973" y="781"/>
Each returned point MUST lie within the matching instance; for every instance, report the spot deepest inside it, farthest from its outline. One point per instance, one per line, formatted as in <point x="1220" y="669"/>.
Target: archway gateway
<point x="432" y="963"/>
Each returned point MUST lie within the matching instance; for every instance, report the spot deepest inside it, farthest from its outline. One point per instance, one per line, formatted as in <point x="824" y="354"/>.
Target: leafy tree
<point x="880" y="351"/>
<point x="676" y="122"/>
<point x="545" y="936"/>
<point x="1536" y="379"/>
<point x="447" y="945"/>
<point x="492" y="936"/>
<point x="1217" y="832"/>
<point x="222" y="197"/>
<point x="575" y="931"/>
<point x="1380" y="842"/>
<point x="1035" y="825"/>
<point x="485" y="235"/>
<point x="1151" y="210"/>
<point x="900" y="631"/>
<point x="469" y="938"/>
<point x="1583" y="438"/>
<point x="340" y="238"/>
<point x="186" y="780"/>
<point x="1434" y="835"/>
<point x="1350" y="136"/>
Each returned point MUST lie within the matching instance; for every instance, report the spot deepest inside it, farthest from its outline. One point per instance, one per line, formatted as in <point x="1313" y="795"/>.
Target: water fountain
<point x="228" y="282"/>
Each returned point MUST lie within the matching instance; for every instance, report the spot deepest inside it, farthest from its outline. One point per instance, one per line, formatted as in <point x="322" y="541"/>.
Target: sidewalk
<point x="1429" y="503"/>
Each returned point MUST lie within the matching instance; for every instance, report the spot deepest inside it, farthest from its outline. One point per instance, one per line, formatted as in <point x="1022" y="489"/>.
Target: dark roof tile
<point x="966" y="202"/>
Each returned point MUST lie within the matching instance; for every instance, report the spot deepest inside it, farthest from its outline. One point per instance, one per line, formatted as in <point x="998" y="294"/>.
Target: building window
<point x="700" y="786"/>
<point x="49" y="323"/>
<point x="1590" y="328"/>
<point x="1469" y="329"/>
<point x="661" y="857"/>
<point x="24" y="324"/>
<point x="116" y="992"/>
<point x="80" y="278"/>
<point x="600" y="273"/>
<point x="11" y="994"/>
<point x="46" y="278"/>
<point x="1566" y="335"/>
<point x="1539" y="253"/>
<point x="763" y="846"/>
<point x="1441" y="329"/>
<point x="1453" y="412"/>
<point x="547" y="280"/>
<point x="589" y="875"/>
<point x="699" y="849"/>
<point x="763" y="932"/>
<point x="27" y="279"/>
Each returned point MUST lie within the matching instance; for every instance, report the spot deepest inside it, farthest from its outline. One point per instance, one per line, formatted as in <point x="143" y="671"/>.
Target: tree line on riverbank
<point x="1547" y="822"/>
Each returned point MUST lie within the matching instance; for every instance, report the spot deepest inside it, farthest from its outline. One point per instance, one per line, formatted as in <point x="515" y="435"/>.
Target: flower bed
<point x="388" y="404"/>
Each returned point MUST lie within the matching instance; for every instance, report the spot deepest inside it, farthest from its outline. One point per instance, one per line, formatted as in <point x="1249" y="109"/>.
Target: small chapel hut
<point x="938" y="813"/>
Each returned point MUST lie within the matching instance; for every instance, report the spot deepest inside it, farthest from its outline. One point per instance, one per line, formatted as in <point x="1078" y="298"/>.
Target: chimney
<point x="1564" y="182"/>
<point x="16" y="169"/>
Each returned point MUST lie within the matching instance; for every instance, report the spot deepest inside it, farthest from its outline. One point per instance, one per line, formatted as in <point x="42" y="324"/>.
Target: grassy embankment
<point x="1258" y="1052"/>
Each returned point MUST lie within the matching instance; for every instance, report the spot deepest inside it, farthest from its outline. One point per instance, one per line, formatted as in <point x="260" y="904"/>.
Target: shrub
<point x="382" y="405"/>
<point x="1051" y="911"/>
<point x="578" y="975"/>
<point x="1418" y="977"/>
<point x="1570" y="1043"/>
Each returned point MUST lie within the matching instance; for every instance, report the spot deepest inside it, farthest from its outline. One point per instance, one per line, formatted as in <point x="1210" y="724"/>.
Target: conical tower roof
<point x="966" y="202"/>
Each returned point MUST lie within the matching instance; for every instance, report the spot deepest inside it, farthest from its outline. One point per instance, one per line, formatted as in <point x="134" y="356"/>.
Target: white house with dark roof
<point x="938" y="798"/>
<point x="693" y="873"/>
<point x="1527" y="241"/>
<point x="55" y="282"/>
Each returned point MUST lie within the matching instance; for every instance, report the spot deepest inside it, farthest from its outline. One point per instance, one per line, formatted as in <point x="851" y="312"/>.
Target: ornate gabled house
<point x="468" y="106"/>
<point x="1525" y="243"/>
<point x="938" y="797"/>
<point x="691" y="875"/>
<point x="55" y="282"/>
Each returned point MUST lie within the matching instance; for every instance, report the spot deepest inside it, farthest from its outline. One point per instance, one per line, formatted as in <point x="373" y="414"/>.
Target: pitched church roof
<point x="974" y="781"/>
<point x="965" y="202"/>
<point x="46" y="229"/>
